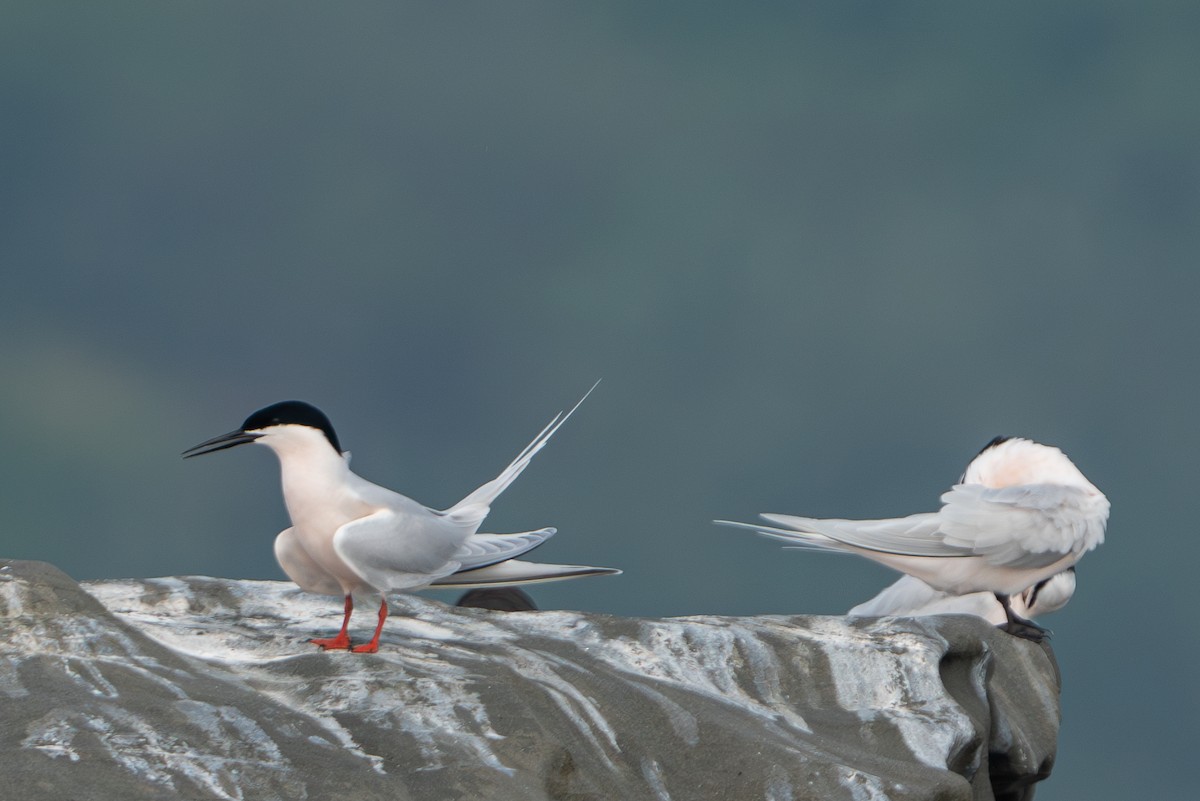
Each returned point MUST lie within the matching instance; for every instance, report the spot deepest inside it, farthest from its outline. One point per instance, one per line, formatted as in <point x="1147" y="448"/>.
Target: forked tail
<point x="471" y="510"/>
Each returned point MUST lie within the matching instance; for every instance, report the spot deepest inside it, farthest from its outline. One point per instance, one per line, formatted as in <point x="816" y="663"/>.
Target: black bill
<point x="233" y="438"/>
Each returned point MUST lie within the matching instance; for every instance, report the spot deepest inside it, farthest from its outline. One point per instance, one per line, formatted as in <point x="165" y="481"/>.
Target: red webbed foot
<point x="338" y="643"/>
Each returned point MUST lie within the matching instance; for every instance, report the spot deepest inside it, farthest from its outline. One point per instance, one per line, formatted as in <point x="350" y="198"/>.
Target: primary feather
<point x="482" y="550"/>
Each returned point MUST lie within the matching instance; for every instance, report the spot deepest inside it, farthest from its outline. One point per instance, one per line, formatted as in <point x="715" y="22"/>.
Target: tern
<point x="1021" y="513"/>
<point x="351" y="537"/>
<point x="911" y="597"/>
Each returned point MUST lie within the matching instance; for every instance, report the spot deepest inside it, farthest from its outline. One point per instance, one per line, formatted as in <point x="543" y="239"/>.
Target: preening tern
<point x="911" y="597"/>
<point x="351" y="537"/>
<point x="1021" y="513"/>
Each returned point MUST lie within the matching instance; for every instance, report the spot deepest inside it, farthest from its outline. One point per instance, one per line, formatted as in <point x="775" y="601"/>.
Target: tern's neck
<point x="311" y="470"/>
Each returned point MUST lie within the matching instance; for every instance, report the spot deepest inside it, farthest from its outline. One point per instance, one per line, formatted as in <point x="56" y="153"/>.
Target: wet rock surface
<point x="202" y="688"/>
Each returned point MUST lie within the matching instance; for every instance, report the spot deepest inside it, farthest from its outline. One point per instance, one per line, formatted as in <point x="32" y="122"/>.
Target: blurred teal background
<point x="819" y="255"/>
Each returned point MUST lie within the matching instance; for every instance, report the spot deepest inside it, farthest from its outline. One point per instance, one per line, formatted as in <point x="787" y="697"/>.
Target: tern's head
<point x="279" y="426"/>
<point x="1010" y="462"/>
<point x="1049" y="595"/>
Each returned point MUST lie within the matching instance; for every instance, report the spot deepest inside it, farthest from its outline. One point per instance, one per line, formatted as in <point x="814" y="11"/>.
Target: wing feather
<point x="804" y="541"/>
<point x="915" y="535"/>
<point x="514" y="571"/>
<point x="481" y="550"/>
<point x="1029" y="525"/>
<point x="393" y="550"/>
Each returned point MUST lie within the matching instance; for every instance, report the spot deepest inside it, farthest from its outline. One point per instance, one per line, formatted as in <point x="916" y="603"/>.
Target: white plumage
<point x="911" y="597"/>
<point x="352" y="537"/>
<point x="1021" y="513"/>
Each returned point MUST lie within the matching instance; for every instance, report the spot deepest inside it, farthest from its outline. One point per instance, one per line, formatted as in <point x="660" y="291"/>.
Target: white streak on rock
<point x="94" y="680"/>
<point x="779" y="787"/>
<point x="933" y="730"/>
<point x="52" y="736"/>
<point x="709" y="656"/>
<point x="12" y="597"/>
<point x="653" y="774"/>
<point x="863" y="786"/>
<point x="683" y="723"/>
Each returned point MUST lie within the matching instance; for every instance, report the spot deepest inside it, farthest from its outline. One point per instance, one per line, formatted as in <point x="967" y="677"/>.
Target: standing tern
<point x="350" y="537"/>
<point x="1021" y="513"/>
<point x="911" y="597"/>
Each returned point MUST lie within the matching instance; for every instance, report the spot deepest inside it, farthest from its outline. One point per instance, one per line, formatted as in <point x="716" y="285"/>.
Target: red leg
<point x="373" y="645"/>
<point x="342" y="640"/>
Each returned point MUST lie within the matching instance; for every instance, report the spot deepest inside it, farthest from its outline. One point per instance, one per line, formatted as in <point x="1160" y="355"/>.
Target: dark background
<point x="818" y="255"/>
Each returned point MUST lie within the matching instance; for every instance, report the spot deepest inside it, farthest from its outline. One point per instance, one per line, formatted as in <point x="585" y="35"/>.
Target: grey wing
<point x="1030" y="525"/>
<point x="481" y="550"/>
<point x="301" y="568"/>
<point x="513" y="572"/>
<point x="393" y="550"/>
<point x="915" y="535"/>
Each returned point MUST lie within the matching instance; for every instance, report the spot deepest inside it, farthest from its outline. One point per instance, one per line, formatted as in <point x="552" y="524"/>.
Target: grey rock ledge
<point x="201" y="688"/>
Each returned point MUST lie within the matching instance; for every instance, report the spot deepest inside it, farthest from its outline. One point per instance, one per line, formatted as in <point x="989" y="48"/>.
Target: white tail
<point x="471" y="510"/>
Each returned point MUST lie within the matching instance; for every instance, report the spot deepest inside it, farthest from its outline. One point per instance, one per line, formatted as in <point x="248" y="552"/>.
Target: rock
<point x="499" y="599"/>
<point x="201" y="688"/>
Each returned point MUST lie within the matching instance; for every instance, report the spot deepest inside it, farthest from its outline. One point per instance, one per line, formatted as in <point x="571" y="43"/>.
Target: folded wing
<point x="1024" y="526"/>
<point x="514" y="571"/>
<point x="399" y="550"/>
<point x="481" y="550"/>
<point x="915" y="535"/>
